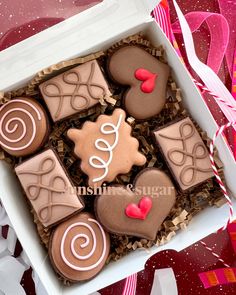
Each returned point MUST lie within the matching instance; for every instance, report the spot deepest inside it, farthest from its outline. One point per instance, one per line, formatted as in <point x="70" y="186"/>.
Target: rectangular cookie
<point x="48" y="188"/>
<point x="75" y="90"/>
<point x="185" y="153"/>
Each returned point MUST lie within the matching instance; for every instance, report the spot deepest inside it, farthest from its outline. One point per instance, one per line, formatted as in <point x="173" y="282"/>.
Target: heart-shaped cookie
<point x="145" y="75"/>
<point x="138" y="212"/>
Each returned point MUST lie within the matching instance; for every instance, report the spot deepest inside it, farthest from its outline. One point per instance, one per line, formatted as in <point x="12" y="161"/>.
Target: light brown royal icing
<point x="185" y="153"/>
<point x="48" y="188"/>
<point x="75" y="90"/>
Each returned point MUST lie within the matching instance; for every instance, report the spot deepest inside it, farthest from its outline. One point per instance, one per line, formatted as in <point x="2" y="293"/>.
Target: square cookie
<point x="75" y="90"/>
<point x="48" y="188"/>
<point x="185" y="153"/>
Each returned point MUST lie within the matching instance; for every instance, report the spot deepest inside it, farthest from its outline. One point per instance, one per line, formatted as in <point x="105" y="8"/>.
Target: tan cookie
<point x="185" y="153"/>
<point x="106" y="148"/>
<point x="74" y="91"/>
<point x="48" y="188"/>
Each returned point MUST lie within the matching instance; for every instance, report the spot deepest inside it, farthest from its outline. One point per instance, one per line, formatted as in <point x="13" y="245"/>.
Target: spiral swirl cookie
<point x="23" y="126"/>
<point x="79" y="248"/>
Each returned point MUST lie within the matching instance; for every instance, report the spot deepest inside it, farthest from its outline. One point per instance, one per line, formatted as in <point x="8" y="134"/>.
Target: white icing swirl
<point x="105" y="147"/>
<point x="17" y="121"/>
<point x="84" y="245"/>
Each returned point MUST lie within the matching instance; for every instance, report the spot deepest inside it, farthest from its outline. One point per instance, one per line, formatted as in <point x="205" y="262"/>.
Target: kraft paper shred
<point x="187" y="204"/>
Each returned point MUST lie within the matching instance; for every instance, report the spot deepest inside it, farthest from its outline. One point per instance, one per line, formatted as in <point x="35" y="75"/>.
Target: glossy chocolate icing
<point x="152" y="183"/>
<point x="23" y="126"/>
<point x="145" y="75"/>
<point x="79" y="247"/>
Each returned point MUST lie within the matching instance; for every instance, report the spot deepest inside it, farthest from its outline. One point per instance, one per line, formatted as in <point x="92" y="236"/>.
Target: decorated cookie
<point x="106" y="148"/>
<point x="48" y="188"/>
<point x="138" y="212"/>
<point x="79" y="247"/>
<point x="185" y="153"/>
<point x="23" y="126"/>
<point x="75" y="90"/>
<point x="145" y="75"/>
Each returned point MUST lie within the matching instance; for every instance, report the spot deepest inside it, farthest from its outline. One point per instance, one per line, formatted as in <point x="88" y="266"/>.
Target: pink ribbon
<point x="219" y="32"/>
<point x="222" y="30"/>
<point x="233" y="90"/>
<point x="206" y="74"/>
<point x="130" y="285"/>
<point x="228" y="10"/>
<point x="164" y="283"/>
<point x="223" y="36"/>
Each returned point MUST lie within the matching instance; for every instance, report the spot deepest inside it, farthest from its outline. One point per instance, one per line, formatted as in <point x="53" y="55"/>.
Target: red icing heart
<point x="141" y="210"/>
<point x="148" y="79"/>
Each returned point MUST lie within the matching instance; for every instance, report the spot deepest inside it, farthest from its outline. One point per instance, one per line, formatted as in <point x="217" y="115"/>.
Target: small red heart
<point x="141" y="210"/>
<point x="148" y="79"/>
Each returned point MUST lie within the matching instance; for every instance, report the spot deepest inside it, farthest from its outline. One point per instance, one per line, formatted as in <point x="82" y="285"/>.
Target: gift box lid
<point x="62" y="41"/>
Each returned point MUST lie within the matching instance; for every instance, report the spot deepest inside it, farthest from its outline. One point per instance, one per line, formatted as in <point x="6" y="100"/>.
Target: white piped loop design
<point x="105" y="147"/>
<point x="17" y="121"/>
<point x="84" y="245"/>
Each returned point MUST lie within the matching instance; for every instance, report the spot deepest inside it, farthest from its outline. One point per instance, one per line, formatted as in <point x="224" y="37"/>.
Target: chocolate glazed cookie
<point x="24" y="126"/>
<point x="145" y="75"/>
<point x="79" y="248"/>
<point x="138" y="212"/>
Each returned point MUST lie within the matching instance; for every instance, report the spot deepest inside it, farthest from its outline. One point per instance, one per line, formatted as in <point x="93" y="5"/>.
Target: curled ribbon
<point x="219" y="32"/>
<point x="208" y="76"/>
<point x="220" y="27"/>
<point x="161" y="14"/>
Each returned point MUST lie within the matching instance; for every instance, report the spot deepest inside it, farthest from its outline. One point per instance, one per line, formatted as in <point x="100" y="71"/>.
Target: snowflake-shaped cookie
<point x="106" y="148"/>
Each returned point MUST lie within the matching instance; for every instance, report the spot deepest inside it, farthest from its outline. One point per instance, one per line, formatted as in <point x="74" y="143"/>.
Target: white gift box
<point x="95" y="29"/>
